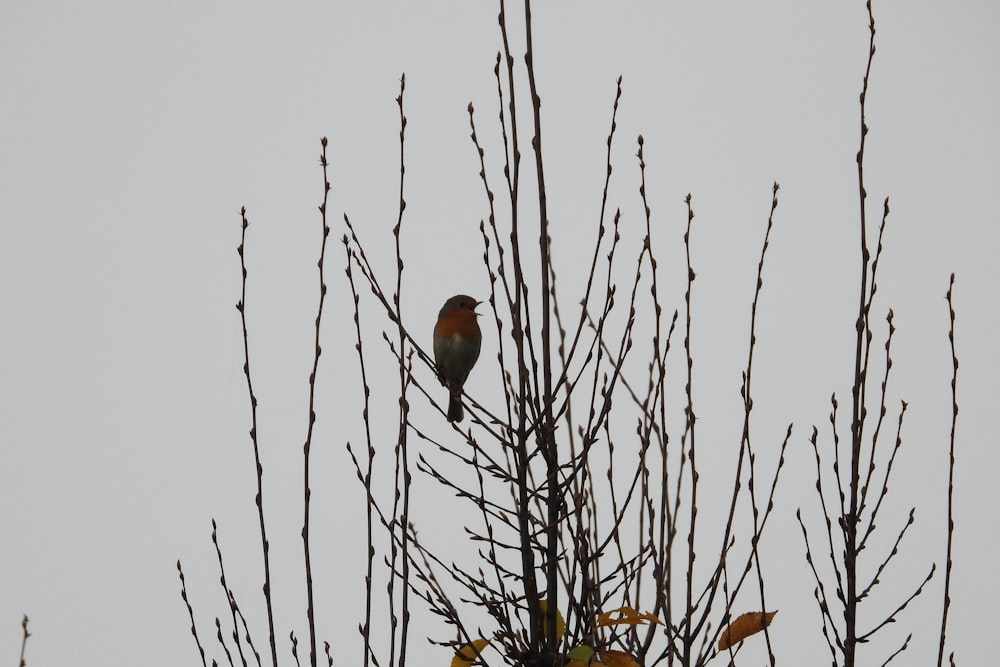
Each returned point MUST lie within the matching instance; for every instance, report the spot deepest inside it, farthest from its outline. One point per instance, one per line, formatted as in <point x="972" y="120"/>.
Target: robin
<point x="457" y="340"/>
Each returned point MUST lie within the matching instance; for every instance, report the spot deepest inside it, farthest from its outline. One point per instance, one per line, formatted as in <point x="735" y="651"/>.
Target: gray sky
<point x="132" y="134"/>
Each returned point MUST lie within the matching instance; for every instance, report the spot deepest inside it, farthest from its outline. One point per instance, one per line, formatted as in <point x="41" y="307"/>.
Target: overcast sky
<point x="132" y="133"/>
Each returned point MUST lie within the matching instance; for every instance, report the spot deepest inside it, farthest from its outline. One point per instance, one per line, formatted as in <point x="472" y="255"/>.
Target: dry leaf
<point x="618" y="659"/>
<point x="625" y="616"/>
<point x="744" y="626"/>
<point x="466" y="655"/>
<point x="543" y="605"/>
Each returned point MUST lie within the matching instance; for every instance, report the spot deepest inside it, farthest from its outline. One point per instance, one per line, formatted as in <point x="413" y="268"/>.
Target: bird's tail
<point x="455" y="411"/>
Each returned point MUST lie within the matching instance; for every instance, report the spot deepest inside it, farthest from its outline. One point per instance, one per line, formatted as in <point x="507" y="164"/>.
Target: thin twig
<point x="187" y="603"/>
<point x="689" y="435"/>
<point x="25" y="634"/>
<point x="307" y="447"/>
<point x="233" y="607"/>
<point x="402" y="453"/>
<point x="850" y="526"/>
<point x="259" y="498"/>
<point x="951" y="471"/>
<point x="366" y="477"/>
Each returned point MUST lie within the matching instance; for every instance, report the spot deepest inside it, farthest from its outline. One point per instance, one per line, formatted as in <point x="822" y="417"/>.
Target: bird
<point x="457" y="341"/>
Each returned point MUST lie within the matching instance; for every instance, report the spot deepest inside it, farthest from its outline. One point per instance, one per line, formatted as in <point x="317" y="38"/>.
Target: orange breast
<point x="460" y="321"/>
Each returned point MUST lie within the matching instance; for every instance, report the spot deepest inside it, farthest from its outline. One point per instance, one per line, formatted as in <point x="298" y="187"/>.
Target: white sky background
<point x="131" y="135"/>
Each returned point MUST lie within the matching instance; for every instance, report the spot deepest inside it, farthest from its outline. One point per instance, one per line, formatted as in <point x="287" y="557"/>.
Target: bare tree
<point x="585" y="488"/>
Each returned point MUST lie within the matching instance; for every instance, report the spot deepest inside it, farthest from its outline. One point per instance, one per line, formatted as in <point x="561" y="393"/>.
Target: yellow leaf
<point x="625" y="616"/>
<point x="466" y="655"/>
<point x="744" y="626"/>
<point x="618" y="659"/>
<point x="543" y="605"/>
<point x="580" y="653"/>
